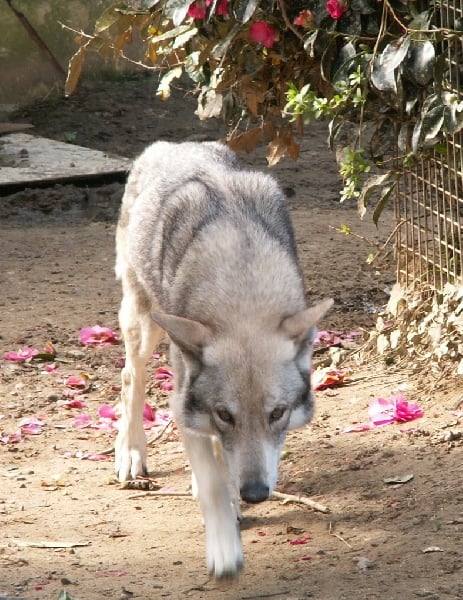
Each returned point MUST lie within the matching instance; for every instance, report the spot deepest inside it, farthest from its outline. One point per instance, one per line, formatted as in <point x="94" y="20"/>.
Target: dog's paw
<point x="224" y="550"/>
<point x="130" y="451"/>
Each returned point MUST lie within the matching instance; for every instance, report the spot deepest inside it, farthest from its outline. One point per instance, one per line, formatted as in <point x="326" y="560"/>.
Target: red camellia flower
<point x="263" y="33"/>
<point x="336" y="8"/>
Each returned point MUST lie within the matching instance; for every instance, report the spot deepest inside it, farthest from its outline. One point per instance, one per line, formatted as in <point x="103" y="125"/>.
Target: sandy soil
<point x="67" y="527"/>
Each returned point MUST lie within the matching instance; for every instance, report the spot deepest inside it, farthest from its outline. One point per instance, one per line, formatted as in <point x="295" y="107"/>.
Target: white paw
<point x="224" y="549"/>
<point x="130" y="450"/>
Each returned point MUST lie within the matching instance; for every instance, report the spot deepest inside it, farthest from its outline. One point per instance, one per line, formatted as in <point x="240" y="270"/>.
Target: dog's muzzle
<point x="254" y="492"/>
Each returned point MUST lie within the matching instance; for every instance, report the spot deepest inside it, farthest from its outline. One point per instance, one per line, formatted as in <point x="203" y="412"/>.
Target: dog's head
<point x="247" y="388"/>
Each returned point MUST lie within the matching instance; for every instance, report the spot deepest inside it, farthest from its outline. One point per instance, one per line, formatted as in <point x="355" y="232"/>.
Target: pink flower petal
<point x="325" y="378"/>
<point x="149" y="414"/>
<point x="300" y="541"/>
<point x="167" y="386"/>
<point x="77" y="382"/>
<point x="73" y="403"/>
<point x="384" y="411"/>
<point x="22" y="355"/>
<point x="82" y="421"/>
<point x="404" y="411"/>
<point x="107" y="412"/>
<point x="163" y="373"/>
<point x="97" y="336"/>
<point x="197" y="10"/>
<point x="32" y="429"/>
<point x="12" y="438"/>
<point x="336" y="8"/>
<point x="381" y="412"/>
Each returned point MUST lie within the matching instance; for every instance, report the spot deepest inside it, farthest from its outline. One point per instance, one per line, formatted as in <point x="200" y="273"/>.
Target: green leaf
<point x="147" y="4"/>
<point x="109" y="17"/>
<point x="193" y="68"/>
<point x="384" y="197"/>
<point x="164" y="85"/>
<point x="420" y="62"/>
<point x="421" y="21"/>
<point x="309" y="43"/>
<point x="172" y="33"/>
<point x="177" y="10"/>
<point x="383" y="80"/>
<point x="182" y="38"/>
<point x="429" y="125"/>
<point x="343" y="63"/>
<point x="221" y="49"/>
<point x="394" y="53"/>
<point x="364" y="7"/>
<point x="372" y="184"/>
<point x="244" y="9"/>
<point x="75" y="69"/>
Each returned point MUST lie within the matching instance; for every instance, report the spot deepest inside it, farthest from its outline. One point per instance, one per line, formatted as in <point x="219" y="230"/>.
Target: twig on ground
<point x="149" y="443"/>
<point x="24" y="544"/>
<point x="301" y="500"/>
<point x="160" y="434"/>
<point x="271" y="595"/>
<point x="160" y="493"/>
<point x="339" y="537"/>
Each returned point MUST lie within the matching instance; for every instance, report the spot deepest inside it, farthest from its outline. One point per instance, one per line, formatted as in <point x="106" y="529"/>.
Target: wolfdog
<point x="206" y="253"/>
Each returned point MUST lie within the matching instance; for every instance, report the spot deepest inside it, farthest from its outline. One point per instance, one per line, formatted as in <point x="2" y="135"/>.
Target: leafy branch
<point x="378" y="69"/>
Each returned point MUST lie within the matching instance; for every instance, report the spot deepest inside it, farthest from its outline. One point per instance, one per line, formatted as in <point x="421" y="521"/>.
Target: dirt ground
<point x="68" y="530"/>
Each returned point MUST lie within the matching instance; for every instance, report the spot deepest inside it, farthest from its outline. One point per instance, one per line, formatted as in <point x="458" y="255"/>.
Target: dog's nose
<point x="254" y="492"/>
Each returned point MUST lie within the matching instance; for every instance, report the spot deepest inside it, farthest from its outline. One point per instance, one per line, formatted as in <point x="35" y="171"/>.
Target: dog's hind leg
<point x="141" y="336"/>
<point x="223" y="539"/>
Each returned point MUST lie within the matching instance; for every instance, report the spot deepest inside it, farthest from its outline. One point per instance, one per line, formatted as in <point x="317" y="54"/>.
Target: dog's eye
<point x="225" y="416"/>
<point x="277" y="414"/>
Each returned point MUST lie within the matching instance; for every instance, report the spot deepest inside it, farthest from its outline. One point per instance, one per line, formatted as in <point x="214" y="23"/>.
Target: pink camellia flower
<point x="384" y="411"/>
<point x="222" y="8"/>
<point x="336" y="8"/>
<point x="11" y="438"/>
<point x="97" y="336"/>
<point x="106" y="411"/>
<point x="82" y="421"/>
<point x="22" y="355"/>
<point x="197" y="9"/>
<point x="304" y="18"/>
<point x="149" y="414"/>
<point x="77" y="382"/>
<point x="263" y="33"/>
<point x="73" y="403"/>
<point x="31" y="425"/>
<point x="163" y="373"/>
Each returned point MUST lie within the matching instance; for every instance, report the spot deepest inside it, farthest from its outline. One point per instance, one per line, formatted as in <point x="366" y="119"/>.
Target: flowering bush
<point x="267" y="68"/>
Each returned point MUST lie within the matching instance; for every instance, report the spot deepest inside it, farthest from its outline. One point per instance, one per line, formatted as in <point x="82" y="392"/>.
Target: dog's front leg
<point x="131" y="438"/>
<point x="223" y="538"/>
<point x="140" y="335"/>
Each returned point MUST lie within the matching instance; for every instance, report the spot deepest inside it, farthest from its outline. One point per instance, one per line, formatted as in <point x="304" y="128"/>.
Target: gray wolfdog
<point x="206" y="253"/>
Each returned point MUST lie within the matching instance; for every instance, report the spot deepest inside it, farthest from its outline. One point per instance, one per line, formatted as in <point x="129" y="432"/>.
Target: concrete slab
<point x="29" y="160"/>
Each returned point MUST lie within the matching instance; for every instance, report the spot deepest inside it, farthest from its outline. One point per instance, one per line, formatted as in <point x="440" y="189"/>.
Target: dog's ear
<point x="299" y="326"/>
<point x="190" y="336"/>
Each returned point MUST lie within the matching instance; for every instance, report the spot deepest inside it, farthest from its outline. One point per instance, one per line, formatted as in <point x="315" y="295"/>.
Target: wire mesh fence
<point x="429" y="198"/>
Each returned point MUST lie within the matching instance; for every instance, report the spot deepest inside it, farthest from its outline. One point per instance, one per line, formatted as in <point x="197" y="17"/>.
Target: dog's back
<point x="208" y="239"/>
